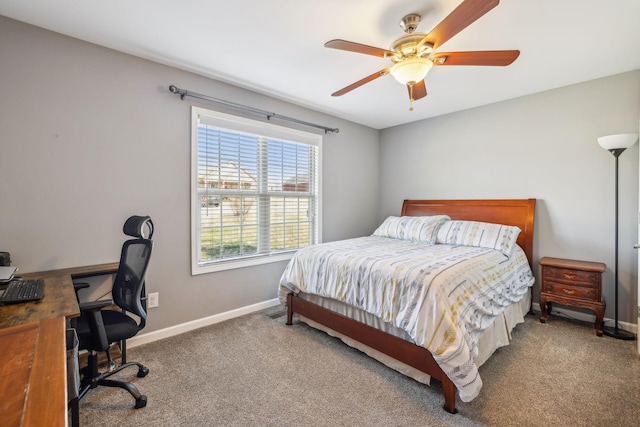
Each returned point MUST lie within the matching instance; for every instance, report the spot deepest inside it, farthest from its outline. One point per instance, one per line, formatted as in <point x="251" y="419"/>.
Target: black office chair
<point x="98" y="328"/>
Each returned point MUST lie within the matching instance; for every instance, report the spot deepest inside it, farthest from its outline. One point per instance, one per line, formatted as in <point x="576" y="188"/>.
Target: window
<point x="255" y="191"/>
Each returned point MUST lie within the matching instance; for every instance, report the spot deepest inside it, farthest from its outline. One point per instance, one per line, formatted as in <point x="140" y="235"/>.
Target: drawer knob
<point x="569" y="276"/>
<point x="568" y="291"/>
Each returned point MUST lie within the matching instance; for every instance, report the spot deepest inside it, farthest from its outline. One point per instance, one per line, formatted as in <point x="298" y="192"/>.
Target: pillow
<point x="419" y="228"/>
<point x="480" y="234"/>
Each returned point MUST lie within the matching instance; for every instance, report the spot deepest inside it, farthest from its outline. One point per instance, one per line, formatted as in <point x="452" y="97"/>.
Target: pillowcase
<point x="480" y="234"/>
<point x="419" y="228"/>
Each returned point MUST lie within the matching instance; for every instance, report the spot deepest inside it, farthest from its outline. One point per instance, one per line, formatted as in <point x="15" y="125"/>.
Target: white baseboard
<point x="217" y="318"/>
<point x="586" y="317"/>
<point x="195" y="324"/>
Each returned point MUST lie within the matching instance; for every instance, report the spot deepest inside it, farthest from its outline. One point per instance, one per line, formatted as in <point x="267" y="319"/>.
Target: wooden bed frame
<point x="518" y="212"/>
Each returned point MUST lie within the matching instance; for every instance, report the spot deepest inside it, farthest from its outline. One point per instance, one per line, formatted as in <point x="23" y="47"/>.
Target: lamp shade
<point x="617" y="142"/>
<point x="411" y="70"/>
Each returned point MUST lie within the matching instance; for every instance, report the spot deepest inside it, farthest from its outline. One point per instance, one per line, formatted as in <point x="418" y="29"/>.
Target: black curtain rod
<point x="183" y="93"/>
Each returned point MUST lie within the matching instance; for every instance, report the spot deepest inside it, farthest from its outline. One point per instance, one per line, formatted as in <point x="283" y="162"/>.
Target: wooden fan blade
<point x="479" y="57"/>
<point x="358" y="48"/>
<point x="361" y="82"/>
<point x="464" y="15"/>
<point x="418" y="91"/>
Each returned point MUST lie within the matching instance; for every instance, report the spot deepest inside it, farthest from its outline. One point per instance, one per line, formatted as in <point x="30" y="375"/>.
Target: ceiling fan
<point x="413" y="54"/>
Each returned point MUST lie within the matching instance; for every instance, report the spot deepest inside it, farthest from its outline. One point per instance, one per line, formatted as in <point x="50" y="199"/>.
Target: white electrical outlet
<point x="153" y="300"/>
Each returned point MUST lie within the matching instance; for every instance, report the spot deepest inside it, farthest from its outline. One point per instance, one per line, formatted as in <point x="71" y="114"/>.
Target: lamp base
<point x="621" y="334"/>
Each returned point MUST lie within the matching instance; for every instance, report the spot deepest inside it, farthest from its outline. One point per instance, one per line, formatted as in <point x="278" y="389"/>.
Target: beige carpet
<point x="256" y="371"/>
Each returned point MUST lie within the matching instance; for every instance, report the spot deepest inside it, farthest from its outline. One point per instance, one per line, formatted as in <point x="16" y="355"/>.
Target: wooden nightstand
<point x="573" y="283"/>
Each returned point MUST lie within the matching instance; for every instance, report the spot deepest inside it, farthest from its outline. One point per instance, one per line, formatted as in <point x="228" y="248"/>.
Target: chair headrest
<point x="135" y="226"/>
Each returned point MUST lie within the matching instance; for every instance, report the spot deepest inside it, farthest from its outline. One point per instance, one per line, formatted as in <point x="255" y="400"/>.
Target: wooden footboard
<point x="417" y="357"/>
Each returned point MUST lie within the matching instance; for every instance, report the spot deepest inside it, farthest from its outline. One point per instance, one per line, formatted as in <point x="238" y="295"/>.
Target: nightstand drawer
<point x="561" y="289"/>
<point x="585" y="278"/>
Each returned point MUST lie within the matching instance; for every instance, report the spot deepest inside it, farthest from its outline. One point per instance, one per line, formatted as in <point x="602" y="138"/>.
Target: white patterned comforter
<point x="443" y="296"/>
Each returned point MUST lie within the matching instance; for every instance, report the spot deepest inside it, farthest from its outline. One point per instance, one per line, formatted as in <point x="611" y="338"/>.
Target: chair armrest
<point x="92" y="311"/>
<point x="78" y="286"/>
<point x="95" y="305"/>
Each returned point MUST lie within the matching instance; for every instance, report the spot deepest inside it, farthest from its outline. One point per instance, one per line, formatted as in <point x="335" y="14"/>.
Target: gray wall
<point x="90" y="136"/>
<point x="542" y="146"/>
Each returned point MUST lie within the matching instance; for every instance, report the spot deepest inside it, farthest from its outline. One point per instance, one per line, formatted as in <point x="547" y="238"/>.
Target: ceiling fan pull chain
<point x="410" y="96"/>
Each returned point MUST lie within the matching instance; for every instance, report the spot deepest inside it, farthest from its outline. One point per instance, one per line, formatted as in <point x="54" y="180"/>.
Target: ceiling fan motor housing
<point x="406" y="47"/>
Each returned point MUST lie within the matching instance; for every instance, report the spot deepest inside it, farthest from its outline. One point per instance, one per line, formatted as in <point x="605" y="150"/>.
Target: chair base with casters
<point x="93" y="378"/>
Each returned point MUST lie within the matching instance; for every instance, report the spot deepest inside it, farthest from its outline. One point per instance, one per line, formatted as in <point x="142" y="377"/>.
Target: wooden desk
<point x="59" y="296"/>
<point x="33" y="368"/>
<point x="33" y="364"/>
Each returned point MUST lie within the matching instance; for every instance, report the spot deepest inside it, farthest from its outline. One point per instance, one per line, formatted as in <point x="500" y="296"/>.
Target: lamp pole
<point x="615" y="331"/>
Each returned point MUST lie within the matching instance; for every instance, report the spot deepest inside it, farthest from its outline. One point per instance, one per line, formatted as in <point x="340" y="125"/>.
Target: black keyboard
<point x="22" y="291"/>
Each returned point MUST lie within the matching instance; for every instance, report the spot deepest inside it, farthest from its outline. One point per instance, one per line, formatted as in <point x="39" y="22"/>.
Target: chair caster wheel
<point x="141" y="402"/>
<point x="142" y="372"/>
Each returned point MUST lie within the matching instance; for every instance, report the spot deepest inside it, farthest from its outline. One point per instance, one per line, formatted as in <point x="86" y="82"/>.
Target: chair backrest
<point x="128" y="287"/>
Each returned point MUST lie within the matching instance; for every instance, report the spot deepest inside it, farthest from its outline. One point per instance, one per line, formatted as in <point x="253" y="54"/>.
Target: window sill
<point x="240" y="263"/>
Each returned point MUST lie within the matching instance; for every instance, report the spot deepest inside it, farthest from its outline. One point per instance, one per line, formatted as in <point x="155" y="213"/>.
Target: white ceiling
<point x="276" y="47"/>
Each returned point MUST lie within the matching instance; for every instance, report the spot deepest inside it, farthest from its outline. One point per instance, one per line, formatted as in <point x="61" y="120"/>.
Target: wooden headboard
<point x="518" y="212"/>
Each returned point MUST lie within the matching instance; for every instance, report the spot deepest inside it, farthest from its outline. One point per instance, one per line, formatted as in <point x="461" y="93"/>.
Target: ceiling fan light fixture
<point x="411" y="70"/>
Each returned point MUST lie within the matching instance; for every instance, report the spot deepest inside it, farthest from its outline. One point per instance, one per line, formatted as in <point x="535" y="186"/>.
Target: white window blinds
<point x="256" y="190"/>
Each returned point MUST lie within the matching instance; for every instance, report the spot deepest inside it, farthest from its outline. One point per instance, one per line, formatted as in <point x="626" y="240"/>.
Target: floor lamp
<point x="616" y="144"/>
